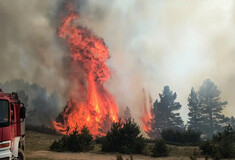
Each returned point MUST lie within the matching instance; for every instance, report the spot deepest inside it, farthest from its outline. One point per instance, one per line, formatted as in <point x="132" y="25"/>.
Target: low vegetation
<point x="75" y="142"/>
<point x="124" y="138"/>
<point x="181" y="137"/>
<point x="99" y="139"/>
<point x="38" y="146"/>
<point x="160" y="149"/>
<point x="222" y="145"/>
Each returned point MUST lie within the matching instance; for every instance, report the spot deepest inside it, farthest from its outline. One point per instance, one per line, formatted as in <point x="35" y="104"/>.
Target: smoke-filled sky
<point x="152" y="43"/>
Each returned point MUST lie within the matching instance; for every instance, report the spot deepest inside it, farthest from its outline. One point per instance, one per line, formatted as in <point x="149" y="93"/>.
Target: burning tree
<point x="88" y="73"/>
<point x="105" y="124"/>
<point x="147" y="119"/>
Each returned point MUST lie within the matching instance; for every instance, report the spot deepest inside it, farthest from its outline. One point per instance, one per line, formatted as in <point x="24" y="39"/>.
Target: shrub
<point x="207" y="148"/>
<point x="160" y="149"/>
<point x="148" y="140"/>
<point x="99" y="140"/>
<point x="75" y="142"/>
<point x="124" y="138"/>
<point x="186" y="137"/>
<point x="222" y="145"/>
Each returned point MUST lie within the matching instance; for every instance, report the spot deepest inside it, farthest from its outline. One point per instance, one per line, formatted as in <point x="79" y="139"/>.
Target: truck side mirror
<point x="22" y="111"/>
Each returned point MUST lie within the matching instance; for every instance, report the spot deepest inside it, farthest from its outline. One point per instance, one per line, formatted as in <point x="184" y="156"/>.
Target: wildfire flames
<point x="90" y="100"/>
<point x="148" y="114"/>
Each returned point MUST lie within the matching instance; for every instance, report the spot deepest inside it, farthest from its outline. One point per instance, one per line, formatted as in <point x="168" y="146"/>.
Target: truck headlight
<point x="4" y="145"/>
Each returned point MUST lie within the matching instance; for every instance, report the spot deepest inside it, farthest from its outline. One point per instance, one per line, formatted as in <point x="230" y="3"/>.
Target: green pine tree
<point x="194" y="114"/>
<point x="211" y="107"/>
<point x="165" y="115"/>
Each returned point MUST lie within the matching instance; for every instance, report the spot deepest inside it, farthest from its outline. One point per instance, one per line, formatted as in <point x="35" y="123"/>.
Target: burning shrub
<point x="124" y="138"/>
<point x="222" y="144"/>
<point x="160" y="149"/>
<point x="74" y="142"/>
<point x="185" y="137"/>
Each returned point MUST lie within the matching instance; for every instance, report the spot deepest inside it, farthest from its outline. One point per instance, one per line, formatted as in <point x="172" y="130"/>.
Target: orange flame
<point x="148" y="114"/>
<point x="90" y="101"/>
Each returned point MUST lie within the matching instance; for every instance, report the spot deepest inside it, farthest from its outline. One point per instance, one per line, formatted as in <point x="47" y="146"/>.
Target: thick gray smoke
<point x="152" y="44"/>
<point x="30" y="48"/>
<point x="156" y="43"/>
<point x="41" y="107"/>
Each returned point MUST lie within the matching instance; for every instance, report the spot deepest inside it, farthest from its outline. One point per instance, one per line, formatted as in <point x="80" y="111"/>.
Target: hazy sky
<point x="152" y="43"/>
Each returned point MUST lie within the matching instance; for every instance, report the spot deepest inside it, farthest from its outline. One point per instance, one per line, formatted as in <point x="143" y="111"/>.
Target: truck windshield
<point x="4" y="113"/>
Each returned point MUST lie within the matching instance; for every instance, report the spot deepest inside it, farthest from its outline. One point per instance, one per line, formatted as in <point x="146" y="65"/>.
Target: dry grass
<point x="38" y="141"/>
<point x="37" y="148"/>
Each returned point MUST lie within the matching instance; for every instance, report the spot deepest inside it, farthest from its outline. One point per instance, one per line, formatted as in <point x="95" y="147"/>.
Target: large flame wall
<point x="88" y="59"/>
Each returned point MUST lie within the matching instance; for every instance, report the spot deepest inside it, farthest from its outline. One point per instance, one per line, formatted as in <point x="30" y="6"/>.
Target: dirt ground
<point x="37" y="148"/>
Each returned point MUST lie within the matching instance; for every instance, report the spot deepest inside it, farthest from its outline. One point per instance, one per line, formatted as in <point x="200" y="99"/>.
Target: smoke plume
<point x="30" y="48"/>
<point x="152" y="44"/>
<point x="157" y="43"/>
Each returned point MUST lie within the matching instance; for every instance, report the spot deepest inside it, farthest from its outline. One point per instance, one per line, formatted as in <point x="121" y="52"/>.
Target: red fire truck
<point x="12" y="127"/>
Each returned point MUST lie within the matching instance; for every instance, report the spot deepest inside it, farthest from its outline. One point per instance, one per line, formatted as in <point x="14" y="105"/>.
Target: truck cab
<point x="12" y="127"/>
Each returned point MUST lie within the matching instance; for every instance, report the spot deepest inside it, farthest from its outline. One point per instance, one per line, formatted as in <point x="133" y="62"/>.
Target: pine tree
<point x="213" y="120"/>
<point x="127" y="113"/>
<point x="232" y="122"/>
<point x="194" y="114"/>
<point x="165" y="116"/>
